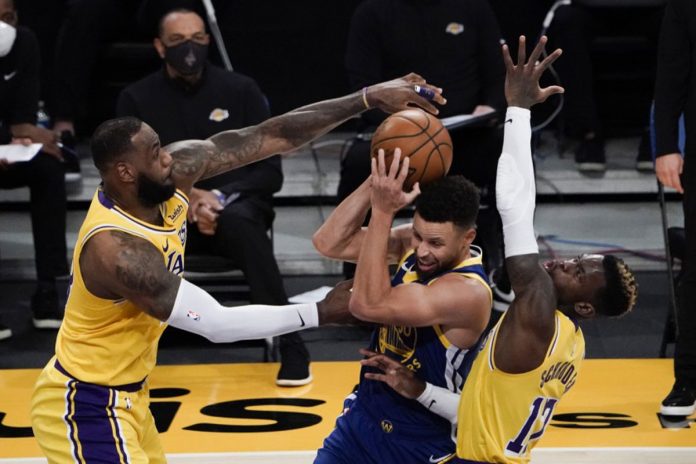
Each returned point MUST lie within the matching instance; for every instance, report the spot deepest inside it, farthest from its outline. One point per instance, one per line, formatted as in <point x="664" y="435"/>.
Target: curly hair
<point x="450" y="199"/>
<point x="112" y="139"/>
<point x="619" y="296"/>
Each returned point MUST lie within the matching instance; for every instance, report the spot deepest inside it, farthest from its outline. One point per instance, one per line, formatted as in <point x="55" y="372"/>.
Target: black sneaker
<point x="590" y="157"/>
<point x="294" y="362"/>
<point x="681" y="401"/>
<point x="44" y="305"/>
<point x="5" y="332"/>
<point x="644" y="160"/>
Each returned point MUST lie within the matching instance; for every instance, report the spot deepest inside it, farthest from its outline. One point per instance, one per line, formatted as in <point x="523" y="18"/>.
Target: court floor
<point x="215" y="413"/>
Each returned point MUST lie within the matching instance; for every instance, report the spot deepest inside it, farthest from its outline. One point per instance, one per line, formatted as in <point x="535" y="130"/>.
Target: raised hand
<point x="522" y="79"/>
<point x="387" y="193"/>
<point x="400" y="94"/>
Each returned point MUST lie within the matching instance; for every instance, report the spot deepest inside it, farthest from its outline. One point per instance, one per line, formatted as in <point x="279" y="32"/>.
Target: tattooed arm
<point x="117" y="264"/>
<point x="200" y="159"/>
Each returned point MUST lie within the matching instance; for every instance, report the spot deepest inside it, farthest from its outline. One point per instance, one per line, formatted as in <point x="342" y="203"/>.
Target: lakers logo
<point x="219" y="115"/>
<point x="400" y="341"/>
<point x="387" y="427"/>
<point x="454" y="28"/>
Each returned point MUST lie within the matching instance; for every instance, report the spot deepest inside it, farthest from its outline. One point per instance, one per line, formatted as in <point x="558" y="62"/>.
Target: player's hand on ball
<point x="387" y="183"/>
<point x="404" y="92"/>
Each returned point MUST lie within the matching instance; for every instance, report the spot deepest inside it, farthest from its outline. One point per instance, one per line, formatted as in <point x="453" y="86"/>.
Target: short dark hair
<point x="619" y="295"/>
<point x="160" y="23"/>
<point x="112" y="139"/>
<point x="450" y="199"/>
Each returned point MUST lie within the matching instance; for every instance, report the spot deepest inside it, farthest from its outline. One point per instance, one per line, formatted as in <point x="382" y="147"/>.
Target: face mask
<point x="8" y="34"/>
<point x="186" y="58"/>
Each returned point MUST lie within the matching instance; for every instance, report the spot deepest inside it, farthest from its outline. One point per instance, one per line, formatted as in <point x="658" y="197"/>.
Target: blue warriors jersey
<point x="425" y="351"/>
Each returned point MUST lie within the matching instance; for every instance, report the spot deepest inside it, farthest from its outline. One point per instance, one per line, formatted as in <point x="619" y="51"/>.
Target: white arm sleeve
<point x="440" y="401"/>
<point x="515" y="189"/>
<point x="198" y="312"/>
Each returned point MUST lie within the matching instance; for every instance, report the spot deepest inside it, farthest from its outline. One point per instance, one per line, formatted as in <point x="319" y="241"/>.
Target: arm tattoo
<point x="140" y="268"/>
<point x="200" y="159"/>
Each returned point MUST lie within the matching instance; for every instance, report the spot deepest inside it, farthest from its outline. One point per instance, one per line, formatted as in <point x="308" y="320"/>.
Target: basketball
<point x="422" y="138"/>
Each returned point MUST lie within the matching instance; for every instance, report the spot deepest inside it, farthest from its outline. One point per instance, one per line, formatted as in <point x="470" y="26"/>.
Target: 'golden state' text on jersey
<point x="113" y="342"/>
<point x="502" y="416"/>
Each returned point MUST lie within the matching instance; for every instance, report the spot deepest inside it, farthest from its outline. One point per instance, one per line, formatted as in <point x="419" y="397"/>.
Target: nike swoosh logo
<point x="9" y="76"/>
<point x="431" y="404"/>
<point x="165" y="248"/>
<point x="509" y="120"/>
<point x="433" y="459"/>
<point x="301" y="320"/>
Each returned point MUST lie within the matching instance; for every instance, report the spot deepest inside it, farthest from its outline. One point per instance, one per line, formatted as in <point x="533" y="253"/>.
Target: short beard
<point x="152" y="193"/>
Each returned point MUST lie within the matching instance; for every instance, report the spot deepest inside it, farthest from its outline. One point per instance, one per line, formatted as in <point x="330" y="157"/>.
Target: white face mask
<point x="8" y="34"/>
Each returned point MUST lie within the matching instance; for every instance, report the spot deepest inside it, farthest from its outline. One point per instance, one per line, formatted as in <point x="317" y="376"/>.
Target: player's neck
<point x="133" y="206"/>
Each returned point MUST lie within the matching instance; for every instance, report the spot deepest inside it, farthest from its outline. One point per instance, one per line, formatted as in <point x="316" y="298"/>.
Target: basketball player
<point x="91" y="400"/>
<point x="430" y="314"/>
<point x="531" y="358"/>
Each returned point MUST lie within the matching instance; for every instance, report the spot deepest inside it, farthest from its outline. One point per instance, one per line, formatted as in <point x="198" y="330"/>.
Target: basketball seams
<point x="428" y="152"/>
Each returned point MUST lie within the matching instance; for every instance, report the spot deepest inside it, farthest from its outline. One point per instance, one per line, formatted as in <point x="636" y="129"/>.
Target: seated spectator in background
<point x="44" y="174"/>
<point x="72" y="36"/>
<point x="456" y="44"/>
<point x="571" y="30"/>
<point x="192" y="99"/>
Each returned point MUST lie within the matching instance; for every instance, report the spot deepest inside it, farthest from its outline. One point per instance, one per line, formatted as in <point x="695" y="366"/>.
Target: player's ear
<point x="584" y="310"/>
<point x="125" y="171"/>
<point x="470" y="235"/>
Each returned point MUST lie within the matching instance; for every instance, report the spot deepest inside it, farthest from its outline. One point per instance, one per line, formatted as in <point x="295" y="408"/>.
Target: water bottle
<point x="42" y="119"/>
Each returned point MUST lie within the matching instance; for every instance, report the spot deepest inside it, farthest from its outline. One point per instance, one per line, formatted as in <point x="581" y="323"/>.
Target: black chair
<point x="222" y="278"/>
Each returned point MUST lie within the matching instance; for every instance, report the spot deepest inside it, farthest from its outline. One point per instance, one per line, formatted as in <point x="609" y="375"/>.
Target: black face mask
<point x="186" y="58"/>
<point x="152" y="193"/>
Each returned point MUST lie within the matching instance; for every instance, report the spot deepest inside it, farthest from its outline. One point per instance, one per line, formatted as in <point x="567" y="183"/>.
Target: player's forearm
<point x="338" y="238"/>
<point x="515" y="187"/>
<point x="440" y="401"/>
<point x="196" y="311"/>
<point x="371" y="284"/>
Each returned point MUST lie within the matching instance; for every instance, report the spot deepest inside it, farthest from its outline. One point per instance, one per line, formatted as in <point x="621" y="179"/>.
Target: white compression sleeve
<point x="515" y="190"/>
<point x="441" y="401"/>
<point x="198" y="312"/>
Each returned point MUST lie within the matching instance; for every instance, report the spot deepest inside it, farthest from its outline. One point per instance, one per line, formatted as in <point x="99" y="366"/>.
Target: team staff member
<point x="90" y="402"/>
<point x="532" y="357"/>
<point x="675" y="93"/>
<point x="217" y="100"/>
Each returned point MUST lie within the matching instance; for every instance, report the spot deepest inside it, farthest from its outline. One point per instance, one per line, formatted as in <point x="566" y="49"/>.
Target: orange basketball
<point x="421" y="137"/>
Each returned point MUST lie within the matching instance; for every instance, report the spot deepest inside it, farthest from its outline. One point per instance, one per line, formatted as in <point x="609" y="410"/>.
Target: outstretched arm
<point x="200" y="159"/>
<point x="118" y="265"/>
<point x="529" y="323"/>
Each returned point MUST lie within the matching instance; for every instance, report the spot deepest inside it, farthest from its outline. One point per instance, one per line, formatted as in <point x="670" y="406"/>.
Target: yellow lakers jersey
<point x="113" y="342"/>
<point x="502" y="416"/>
